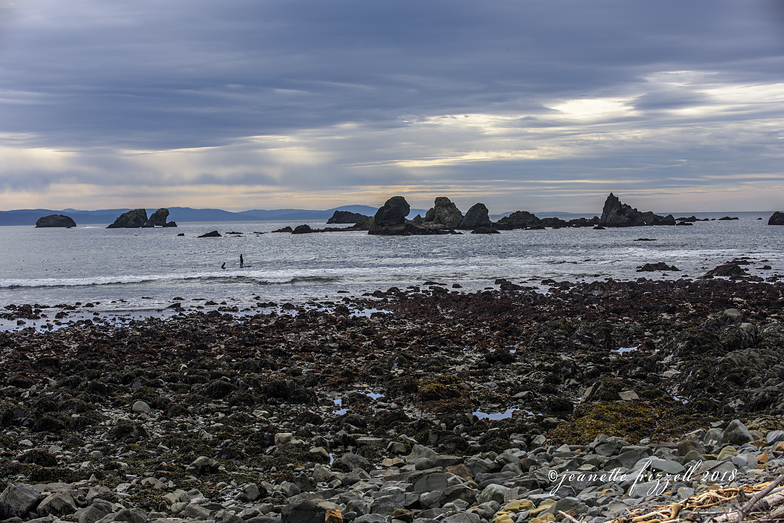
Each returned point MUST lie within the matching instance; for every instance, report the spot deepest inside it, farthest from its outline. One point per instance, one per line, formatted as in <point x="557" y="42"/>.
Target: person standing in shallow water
<point x="242" y="261"/>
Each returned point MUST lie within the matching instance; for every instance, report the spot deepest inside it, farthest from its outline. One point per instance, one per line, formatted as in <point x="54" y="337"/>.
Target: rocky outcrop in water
<point x="519" y="220"/>
<point x="130" y="220"/>
<point x="444" y="212"/>
<point x="390" y="220"/>
<point x="776" y="219"/>
<point x="477" y="217"/>
<point x="55" y="220"/>
<point x="347" y="217"/>
<point x="158" y="219"/>
<point x="617" y="214"/>
<point x="138" y="218"/>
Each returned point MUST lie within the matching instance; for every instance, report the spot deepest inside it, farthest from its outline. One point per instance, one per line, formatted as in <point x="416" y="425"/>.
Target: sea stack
<point x="617" y="214"/>
<point x="55" y="220"/>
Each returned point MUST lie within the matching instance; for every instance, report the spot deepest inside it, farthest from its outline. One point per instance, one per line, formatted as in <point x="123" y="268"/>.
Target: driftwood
<point x="718" y="505"/>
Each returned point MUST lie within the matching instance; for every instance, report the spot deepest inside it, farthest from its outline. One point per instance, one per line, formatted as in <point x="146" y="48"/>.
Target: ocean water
<point x="141" y="271"/>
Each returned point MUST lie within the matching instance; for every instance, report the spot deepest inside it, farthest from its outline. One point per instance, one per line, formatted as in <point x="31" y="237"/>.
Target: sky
<point x="268" y="104"/>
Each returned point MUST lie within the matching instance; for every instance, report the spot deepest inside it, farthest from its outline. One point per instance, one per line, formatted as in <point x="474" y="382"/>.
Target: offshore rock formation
<point x="55" y="220"/>
<point x="347" y="217"/>
<point x="138" y="218"/>
<point x="519" y="220"/>
<point x="158" y="219"/>
<point x="130" y="220"/>
<point x="476" y="218"/>
<point x="390" y="220"/>
<point x="617" y="214"/>
<point x="776" y="219"/>
<point x="444" y="212"/>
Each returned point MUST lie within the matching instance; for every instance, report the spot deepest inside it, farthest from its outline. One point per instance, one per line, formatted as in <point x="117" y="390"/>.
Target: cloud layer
<point x="521" y="105"/>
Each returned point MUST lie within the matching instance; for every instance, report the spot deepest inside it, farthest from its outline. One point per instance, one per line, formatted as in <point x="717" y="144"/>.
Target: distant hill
<point x="187" y="214"/>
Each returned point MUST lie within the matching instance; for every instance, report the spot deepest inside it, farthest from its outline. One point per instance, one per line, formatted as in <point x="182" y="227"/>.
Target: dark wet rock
<point x="728" y="218"/>
<point x="446" y="213"/>
<point x="347" y="217"/>
<point x="617" y="214"/>
<point x="55" y="220"/>
<point x="657" y="267"/>
<point x="777" y="218"/>
<point x="476" y="217"/>
<point x="302" y="229"/>
<point x="211" y="234"/>
<point x="731" y="269"/>
<point x="284" y="229"/>
<point x="130" y="220"/>
<point x="485" y="230"/>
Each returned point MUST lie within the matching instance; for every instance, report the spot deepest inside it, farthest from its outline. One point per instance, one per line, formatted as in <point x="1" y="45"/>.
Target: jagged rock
<point x="55" y="220"/>
<point x="777" y="218"/>
<point x="284" y="229"/>
<point x="158" y="219"/>
<point x="347" y="217"/>
<point x="57" y="504"/>
<point x="475" y="218"/>
<point x="519" y="220"/>
<point x="617" y="214"/>
<point x="445" y="212"/>
<point x="130" y="220"/>
<point x="212" y="234"/>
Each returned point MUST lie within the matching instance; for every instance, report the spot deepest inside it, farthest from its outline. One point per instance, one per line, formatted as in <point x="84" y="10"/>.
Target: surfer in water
<point x="242" y="261"/>
<point x="223" y="266"/>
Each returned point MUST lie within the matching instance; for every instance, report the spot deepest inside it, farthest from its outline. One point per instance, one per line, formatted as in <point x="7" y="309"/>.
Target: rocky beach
<point x="593" y="401"/>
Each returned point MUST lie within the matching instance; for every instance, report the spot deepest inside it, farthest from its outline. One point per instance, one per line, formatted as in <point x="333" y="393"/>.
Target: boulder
<point x="212" y="234"/>
<point x="131" y="220"/>
<point x="18" y="499"/>
<point x="307" y="511"/>
<point x="617" y="214"/>
<point x="347" y="217"/>
<point x="445" y="212"/>
<point x="519" y="220"/>
<point x="55" y="220"/>
<point x="392" y="213"/>
<point x="158" y="219"/>
<point x="776" y="219"/>
<point x="476" y="217"/>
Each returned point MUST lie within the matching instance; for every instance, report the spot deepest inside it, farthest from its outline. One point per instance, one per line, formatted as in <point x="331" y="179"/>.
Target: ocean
<point x="138" y="272"/>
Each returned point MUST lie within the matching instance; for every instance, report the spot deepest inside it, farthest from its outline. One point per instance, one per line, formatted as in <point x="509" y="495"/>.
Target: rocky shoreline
<point x="389" y="416"/>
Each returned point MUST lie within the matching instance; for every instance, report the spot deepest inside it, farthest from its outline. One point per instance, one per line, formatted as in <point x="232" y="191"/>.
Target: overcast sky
<point x="266" y="104"/>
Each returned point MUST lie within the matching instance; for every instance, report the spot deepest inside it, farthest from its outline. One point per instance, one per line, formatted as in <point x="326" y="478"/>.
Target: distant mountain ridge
<point x="186" y="214"/>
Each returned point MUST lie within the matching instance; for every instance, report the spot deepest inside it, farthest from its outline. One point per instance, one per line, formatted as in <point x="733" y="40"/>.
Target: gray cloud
<point x="351" y="93"/>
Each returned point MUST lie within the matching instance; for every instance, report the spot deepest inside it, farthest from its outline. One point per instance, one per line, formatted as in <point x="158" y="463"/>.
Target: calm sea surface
<point x="142" y="270"/>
